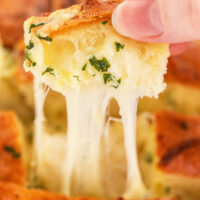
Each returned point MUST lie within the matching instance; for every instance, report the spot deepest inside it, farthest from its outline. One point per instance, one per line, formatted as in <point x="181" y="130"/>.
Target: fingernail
<point x="138" y="19"/>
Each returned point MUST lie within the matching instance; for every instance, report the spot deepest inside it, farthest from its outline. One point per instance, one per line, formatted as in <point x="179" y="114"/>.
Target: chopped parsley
<point x="104" y="22"/>
<point x="148" y="158"/>
<point x="118" y="46"/>
<point x="27" y="57"/>
<point x="12" y="151"/>
<point x="84" y="67"/>
<point x="77" y="77"/>
<point x="117" y="84"/>
<point x="101" y="65"/>
<point x="58" y="128"/>
<point x="48" y="70"/>
<point x="44" y="38"/>
<point x="35" y="25"/>
<point x="107" y="77"/>
<point x="119" y="80"/>
<point x="184" y="126"/>
<point x="30" y="45"/>
<point x="167" y="190"/>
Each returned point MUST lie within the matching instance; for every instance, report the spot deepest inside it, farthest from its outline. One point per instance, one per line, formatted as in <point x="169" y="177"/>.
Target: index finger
<point x="159" y="21"/>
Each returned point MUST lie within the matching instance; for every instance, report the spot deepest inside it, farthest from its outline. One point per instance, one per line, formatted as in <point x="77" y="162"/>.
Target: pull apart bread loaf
<point x="77" y="52"/>
<point x="169" y="146"/>
<point x="12" y="167"/>
<point x="12" y="170"/>
<point x="9" y="191"/>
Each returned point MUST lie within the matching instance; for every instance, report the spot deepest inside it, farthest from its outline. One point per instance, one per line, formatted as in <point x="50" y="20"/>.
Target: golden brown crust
<point x="185" y="68"/>
<point x="9" y="191"/>
<point x="13" y="14"/>
<point x="121" y="198"/>
<point x="11" y="164"/>
<point x="87" y="12"/>
<point x="178" y="143"/>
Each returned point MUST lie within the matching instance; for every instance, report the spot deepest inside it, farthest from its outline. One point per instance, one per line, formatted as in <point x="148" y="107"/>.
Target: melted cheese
<point x="87" y="108"/>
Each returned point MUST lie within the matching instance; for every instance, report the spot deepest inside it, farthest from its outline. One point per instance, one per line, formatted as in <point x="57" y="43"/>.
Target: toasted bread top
<point x="12" y="168"/>
<point x="185" y="68"/>
<point x="9" y="191"/>
<point x="178" y="143"/>
<point x="74" y="16"/>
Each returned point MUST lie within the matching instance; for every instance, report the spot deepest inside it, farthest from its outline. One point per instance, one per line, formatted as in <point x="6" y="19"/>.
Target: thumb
<point x="158" y="21"/>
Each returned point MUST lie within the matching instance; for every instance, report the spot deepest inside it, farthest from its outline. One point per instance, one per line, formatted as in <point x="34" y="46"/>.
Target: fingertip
<point x="138" y="19"/>
<point x="117" y="17"/>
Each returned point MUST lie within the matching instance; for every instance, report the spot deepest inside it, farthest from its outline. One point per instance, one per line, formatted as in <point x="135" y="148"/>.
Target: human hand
<point x="159" y="21"/>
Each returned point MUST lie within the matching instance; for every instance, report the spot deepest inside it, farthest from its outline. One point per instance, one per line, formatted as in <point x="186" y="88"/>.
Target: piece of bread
<point x="185" y="68"/>
<point x="183" y="85"/>
<point x="12" y="16"/>
<point x="78" y="48"/>
<point x="9" y="191"/>
<point x="12" y="168"/>
<point x="169" y="146"/>
<point x="84" y="32"/>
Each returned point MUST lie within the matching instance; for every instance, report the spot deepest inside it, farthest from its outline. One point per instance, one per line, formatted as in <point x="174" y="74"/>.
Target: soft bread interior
<point x="139" y="64"/>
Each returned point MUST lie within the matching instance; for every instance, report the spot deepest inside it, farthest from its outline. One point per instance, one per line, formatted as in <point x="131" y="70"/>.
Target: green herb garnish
<point x="44" y="38"/>
<point x="119" y="80"/>
<point x="107" y="77"/>
<point x="12" y="151"/>
<point x="100" y="65"/>
<point x="148" y="158"/>
<point x="48" y="70"/>
<point x="33" y="64"/>
<point x="58" y="128"/>
<point x="84" y="67"/>
<point x="104" y="22"/>
<point x="30" y="45"/>
<point x="35" y="25"/>
<point x="77" y="77"/>
<point x="118" y="46"/>
<point x="184" y="126"/>
<point x="27" y="57"/>
<point x="167" y="190"/>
